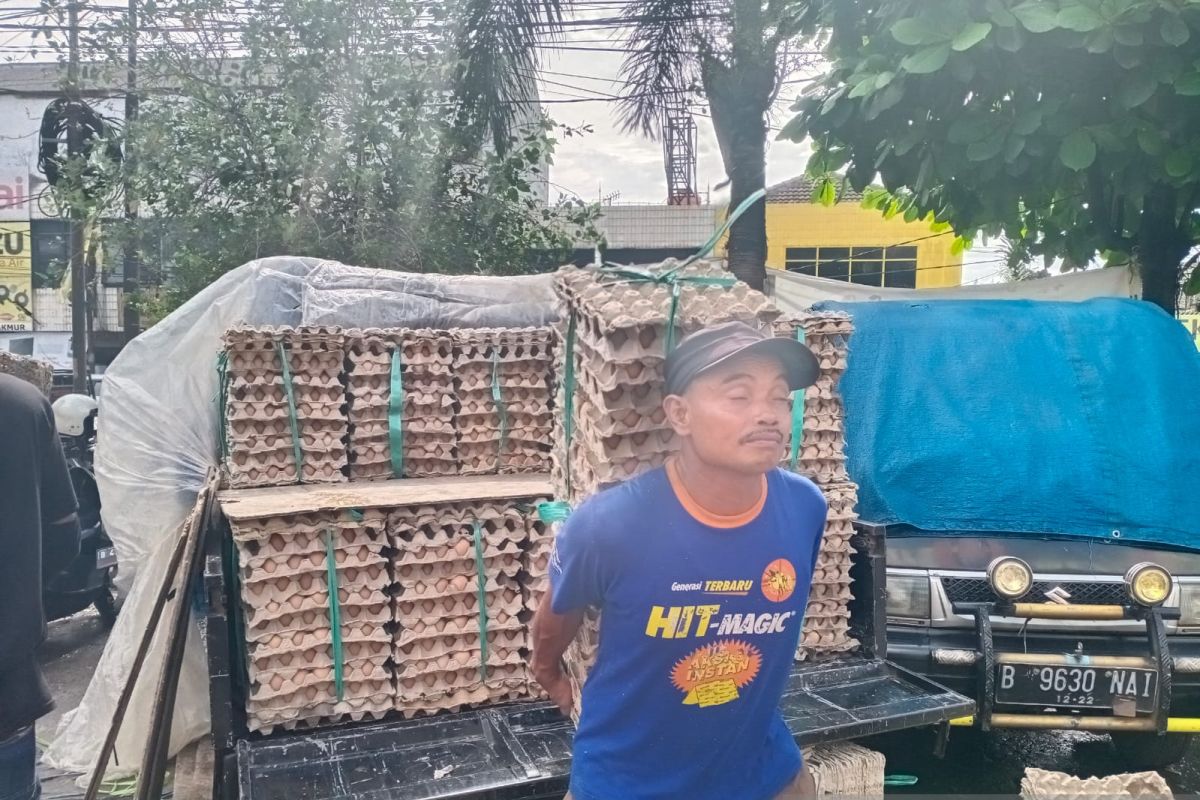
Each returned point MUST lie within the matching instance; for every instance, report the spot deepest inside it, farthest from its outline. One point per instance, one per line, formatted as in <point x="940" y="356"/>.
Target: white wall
<point x="20" y="181"/>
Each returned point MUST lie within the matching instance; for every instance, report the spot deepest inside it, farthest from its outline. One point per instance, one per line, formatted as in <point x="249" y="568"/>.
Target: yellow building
<point x="848" y="242"/>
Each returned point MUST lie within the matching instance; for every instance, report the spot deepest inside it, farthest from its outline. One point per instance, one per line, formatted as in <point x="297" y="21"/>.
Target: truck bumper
<point x="913" y="648"/>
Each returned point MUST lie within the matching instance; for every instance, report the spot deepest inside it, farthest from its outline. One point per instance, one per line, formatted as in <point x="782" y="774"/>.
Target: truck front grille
<point x="976" y="590"/>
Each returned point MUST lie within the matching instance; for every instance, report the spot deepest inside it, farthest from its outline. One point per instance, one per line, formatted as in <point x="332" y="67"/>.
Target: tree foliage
<point x="328" y="129"/>
<point x="734" y="55"/>
<point x="731" y="54"/>
<point x="1071" y="126"/>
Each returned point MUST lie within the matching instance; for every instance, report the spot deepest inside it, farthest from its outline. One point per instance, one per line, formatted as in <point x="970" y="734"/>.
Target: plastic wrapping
<point x="335" y="294"/>
<point x="158" y="439"/>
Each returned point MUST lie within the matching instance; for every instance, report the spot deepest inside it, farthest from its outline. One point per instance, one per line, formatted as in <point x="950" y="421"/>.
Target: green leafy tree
<point x="1071" y="126"/>
<point x="329" y="129"/>
<point x="732" y="53"/>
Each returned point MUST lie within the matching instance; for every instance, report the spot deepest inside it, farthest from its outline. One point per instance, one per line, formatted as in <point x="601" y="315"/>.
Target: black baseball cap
<point x="710" y="347"/>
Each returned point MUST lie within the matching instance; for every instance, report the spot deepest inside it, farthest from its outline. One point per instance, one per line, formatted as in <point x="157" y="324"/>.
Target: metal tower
<point x="679" y="152"/>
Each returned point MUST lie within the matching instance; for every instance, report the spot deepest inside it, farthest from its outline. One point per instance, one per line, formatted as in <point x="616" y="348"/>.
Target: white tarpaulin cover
<point x="159" y="429"/>
<point x="794" y="292"/>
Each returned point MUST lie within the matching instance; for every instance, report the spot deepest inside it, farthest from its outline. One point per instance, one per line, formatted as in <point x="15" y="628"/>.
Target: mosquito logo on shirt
<point x="779" y="580"/>
<point x="713" y="674"/>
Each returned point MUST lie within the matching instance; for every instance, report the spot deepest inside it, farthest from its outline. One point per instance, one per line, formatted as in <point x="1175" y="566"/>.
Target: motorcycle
<point x="88" y="579"/>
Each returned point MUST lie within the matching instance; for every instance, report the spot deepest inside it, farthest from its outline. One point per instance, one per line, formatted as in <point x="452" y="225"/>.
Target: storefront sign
<point x="16" y="277"/>
<point x="1192" y="323"/>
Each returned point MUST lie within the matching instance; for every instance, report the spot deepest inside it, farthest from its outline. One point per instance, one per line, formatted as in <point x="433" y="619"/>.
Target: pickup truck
<point x="1032" y="467"/>
<point x="516" y="750"/>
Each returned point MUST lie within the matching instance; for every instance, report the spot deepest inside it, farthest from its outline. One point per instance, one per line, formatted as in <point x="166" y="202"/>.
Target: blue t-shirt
<point x="701" y="617"/>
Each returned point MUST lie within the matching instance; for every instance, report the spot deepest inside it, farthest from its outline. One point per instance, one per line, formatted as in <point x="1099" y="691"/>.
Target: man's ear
<point x="678" y="414"/>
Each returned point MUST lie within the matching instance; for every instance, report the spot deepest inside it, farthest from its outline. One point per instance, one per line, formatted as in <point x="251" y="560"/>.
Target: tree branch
<point x="662" y="68"/>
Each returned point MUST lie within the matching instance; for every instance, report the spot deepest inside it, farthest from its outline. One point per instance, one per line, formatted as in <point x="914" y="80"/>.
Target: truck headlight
<point x="1148" y="584"/>
<point x="1189" y="604"/>
<point x="1010" y="578"/>
<point x="908" y="596"/>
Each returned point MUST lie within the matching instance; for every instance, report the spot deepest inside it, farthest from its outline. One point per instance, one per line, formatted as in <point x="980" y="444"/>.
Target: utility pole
<point x="80" y="345"/>
<point x="132" y="264"/>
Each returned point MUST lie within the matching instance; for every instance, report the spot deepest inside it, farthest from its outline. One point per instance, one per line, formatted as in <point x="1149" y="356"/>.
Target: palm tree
<point x="731" y="52"/>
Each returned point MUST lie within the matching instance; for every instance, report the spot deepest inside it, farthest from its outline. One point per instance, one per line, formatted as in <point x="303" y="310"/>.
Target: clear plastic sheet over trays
<point x="159" y="437"/>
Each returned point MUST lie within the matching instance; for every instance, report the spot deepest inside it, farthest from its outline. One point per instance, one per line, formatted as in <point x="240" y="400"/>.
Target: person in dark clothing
<point x="39" y="535"/>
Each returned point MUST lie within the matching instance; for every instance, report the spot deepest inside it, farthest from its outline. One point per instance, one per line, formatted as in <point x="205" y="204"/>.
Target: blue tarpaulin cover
<point x="1025" y="416"/>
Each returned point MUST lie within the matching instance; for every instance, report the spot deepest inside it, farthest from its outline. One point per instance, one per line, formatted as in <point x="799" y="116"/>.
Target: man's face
<point x="736" y="415"/>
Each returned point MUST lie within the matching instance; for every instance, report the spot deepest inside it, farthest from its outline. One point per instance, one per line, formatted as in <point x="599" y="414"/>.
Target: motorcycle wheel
<point x="106" y="606"/>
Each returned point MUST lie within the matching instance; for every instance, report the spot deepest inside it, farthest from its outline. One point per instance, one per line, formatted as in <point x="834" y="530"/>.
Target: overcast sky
<point x="611" y="161"/>
<point x="608" y="163"/>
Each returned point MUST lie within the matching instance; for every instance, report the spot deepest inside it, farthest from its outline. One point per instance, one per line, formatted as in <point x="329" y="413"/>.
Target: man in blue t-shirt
<point x="701" y="570"/>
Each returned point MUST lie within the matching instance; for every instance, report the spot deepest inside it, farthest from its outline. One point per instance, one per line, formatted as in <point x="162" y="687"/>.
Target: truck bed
<point x="524" y="750"/>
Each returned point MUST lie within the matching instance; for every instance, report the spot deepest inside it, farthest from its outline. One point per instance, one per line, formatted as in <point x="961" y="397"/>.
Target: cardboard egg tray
<point x="31" y="370"/>
<point x="483" y="693"/>
<point x="845" y="769"/>
<point x="317" y="692"/>
<point x="439" y="627"/>
<point x="285" y="683"/>
<point x="620" y="430"/>
<point x="619" y="349"/>
<point x="258" y="429"/>
<point x="290" y="661"/>
<point x="315" y="713"/>
<point x="512" y="435"/>
<point x="283" y="573"/>
<point x="1040" y="784"/>
<point x="580" y="656"/>
<point x="536" y="567"/>
<point x="410" y="664"/>
<point x="822" y="458"/>
<point x="625" y="319"/>
<point x="309" y="619"/>
<point x="426" y="411"/>
<point x="412" y="656"/>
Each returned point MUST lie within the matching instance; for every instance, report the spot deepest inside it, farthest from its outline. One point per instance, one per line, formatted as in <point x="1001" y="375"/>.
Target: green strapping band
<point x="500" y="409"/>
<point x="477" y="533"/>
<point x="223" y="400"/>
<point x="797" y="414"/>
<point x="335" y="614"/>
<point x="742" y="208"/>
<point x="569" y="400"/>
<point x="673" y="279"/>
<point x="553" y="511"/>
<point x="241" y="653"/>
<point x="396" y="417"/>
<point x="290" y="393"/>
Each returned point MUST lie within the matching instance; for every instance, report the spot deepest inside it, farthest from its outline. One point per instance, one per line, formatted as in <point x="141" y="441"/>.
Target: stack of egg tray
<point x="503" y="380"/>
<point x="441" y="660"/>
<point x="260" y="448"/>
<point x="1042" y="784"/>
<point x="284" y="585"/>
<point x="427" y="429"/>
<point x="822" y="458"/>
<point x="618" y="349"/>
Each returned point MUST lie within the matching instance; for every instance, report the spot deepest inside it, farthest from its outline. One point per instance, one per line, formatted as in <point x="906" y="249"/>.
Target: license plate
<point x="1076" y="687"/>
<point x="106" y="557"/>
